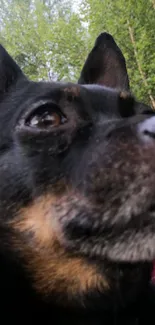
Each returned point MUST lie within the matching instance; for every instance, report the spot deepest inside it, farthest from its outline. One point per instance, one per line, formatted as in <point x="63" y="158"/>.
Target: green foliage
<point x="43" y="36"/>
<point x="48" y="35"/>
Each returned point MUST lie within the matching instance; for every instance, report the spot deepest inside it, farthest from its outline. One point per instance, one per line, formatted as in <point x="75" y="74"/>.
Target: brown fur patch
<point x="125" y="95"/>
<point x="72" y="92"/>
<point x="38" y="238"/>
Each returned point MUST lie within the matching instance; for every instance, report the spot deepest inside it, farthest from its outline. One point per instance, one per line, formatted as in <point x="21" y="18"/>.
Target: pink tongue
<point x="153" y="273"/>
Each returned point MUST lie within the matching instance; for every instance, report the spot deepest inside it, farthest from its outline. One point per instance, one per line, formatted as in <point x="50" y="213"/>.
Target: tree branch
<point x="153" y="3"/>
<point x="131" y="33"/>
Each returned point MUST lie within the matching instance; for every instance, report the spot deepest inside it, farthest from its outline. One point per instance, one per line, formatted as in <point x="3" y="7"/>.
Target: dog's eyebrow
<point x="125" y="94"/>
<point x="126" y="104"/>
<point x="72" y="92"/>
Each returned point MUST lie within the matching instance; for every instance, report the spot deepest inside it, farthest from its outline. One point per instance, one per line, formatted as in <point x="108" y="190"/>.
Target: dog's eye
<point x="46" y="116"/>
<point x="47" y="119"/>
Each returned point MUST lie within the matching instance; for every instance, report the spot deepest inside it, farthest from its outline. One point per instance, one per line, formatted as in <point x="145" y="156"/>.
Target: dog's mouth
<point x="117" y="238"/>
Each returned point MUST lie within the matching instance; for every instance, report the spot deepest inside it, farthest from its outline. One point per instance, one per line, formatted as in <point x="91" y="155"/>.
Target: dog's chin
<point x="129" y="252"/>
<point x="132" y="250"/>
<point x="136" y="244"/>
<point x="126" y="245"/>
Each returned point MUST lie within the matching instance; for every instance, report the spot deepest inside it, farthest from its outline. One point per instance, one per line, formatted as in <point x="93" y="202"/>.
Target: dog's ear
<point x="105" y="65"/>
<point x="9" y="71"/>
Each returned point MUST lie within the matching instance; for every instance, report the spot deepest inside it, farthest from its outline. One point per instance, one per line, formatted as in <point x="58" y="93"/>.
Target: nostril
<point x="147" y="127"/>
<point x="151" y="134"/>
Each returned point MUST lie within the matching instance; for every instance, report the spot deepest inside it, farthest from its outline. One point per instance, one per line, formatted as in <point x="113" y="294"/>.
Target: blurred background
<point x="50" y="39"/>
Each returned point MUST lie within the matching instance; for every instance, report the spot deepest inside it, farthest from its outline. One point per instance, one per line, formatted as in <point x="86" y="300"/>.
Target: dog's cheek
<point x="47" y="145"/>
<point x="37" y="240"/>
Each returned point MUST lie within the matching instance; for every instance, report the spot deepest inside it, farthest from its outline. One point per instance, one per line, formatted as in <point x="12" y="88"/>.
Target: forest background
<point x="50" y="39"/>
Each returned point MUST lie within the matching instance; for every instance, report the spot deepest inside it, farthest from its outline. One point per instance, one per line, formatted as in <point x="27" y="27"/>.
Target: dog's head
<point x="77" y="173"/>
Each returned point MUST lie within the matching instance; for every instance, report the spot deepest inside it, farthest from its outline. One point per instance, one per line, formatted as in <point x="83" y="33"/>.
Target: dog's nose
<point x="147" y="129"/>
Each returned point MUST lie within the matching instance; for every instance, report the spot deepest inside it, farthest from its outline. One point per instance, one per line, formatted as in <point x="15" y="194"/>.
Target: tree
<point x="132" y="23"/>
<point x="49" y="39"/>
<point x="44" y="37"/>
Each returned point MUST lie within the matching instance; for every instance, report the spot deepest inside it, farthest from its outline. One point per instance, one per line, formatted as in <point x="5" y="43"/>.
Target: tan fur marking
<point x="38" y="220"/>
<point x="73" y="91"/>
<point x="125" y="95"/>
<point x="53" y="269"/>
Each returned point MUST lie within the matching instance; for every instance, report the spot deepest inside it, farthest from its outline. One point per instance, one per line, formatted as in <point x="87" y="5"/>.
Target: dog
<point x="77" y="211"/>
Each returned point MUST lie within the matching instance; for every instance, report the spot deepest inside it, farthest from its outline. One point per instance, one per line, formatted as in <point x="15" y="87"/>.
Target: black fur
<point x="95" y="174"/>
